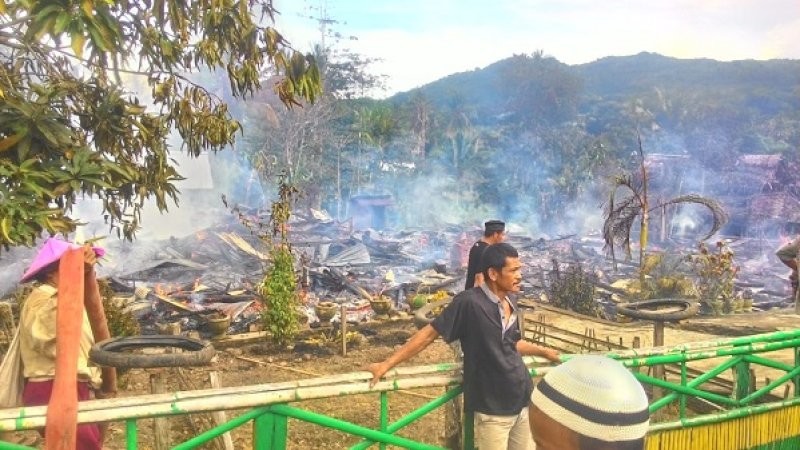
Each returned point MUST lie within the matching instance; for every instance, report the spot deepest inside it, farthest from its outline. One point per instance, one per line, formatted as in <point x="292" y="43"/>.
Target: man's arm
<point x="525" y="348"/>
<point x="416" y="344"/>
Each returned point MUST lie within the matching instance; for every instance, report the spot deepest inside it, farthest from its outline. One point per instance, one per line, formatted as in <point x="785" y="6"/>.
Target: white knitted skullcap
<point x="594" y="396"/>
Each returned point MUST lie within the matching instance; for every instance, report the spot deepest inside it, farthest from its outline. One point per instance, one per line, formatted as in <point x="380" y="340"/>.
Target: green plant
<point x="120" y="321"/>
<point x="279" y="293"/>
<point x="715" y="274"/>
<point x="278" y="289"/>
<point x="667" y="276"/>
<point x="69" y="128"/>
<point x="572" y="289"/>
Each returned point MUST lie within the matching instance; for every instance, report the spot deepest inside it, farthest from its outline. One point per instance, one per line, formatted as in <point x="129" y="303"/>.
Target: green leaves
<point x="68" y="129"/>
<point x="278" y="289"/>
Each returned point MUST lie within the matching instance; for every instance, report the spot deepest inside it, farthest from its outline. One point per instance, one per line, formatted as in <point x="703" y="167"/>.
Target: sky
<point x="420" y="41"/>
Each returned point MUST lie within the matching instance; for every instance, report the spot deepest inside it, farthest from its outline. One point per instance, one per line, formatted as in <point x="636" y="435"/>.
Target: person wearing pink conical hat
<point x="36" y="335"/>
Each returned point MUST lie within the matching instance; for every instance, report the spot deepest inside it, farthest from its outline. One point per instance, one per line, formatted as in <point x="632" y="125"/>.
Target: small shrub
<point x="279" y="292"/>
<point x="714" y="274"/>
<point x="667" y="276"/>
<point x="120" y="321"/>
<point x="573" y="289"/>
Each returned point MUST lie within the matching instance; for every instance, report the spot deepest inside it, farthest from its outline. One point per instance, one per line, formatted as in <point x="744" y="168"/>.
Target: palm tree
<point x="621" y="215"/>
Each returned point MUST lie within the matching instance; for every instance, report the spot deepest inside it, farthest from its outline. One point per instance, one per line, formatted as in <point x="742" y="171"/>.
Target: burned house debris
<point x="185" y="282"/>
<point x="369" y="211"/>
<point x="761" y="193"/>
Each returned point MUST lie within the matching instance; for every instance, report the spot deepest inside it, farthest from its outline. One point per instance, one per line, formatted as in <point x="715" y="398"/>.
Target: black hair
<point x="588" y="443"/>
<point x="494" y="257"/>
<point x="41" y="275"/>
<point x="491" y="232"/>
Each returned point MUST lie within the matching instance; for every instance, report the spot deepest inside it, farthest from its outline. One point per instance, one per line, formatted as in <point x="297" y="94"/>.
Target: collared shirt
<point x="496" y="380"/>
<point x="37" y="328"/>
<point x="495" y="299"/>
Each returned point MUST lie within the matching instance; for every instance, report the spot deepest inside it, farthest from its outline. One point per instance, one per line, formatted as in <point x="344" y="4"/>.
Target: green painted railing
<point x="271" y="405"/>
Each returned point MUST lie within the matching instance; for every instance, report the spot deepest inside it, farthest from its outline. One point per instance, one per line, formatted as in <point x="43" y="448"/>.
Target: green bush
<point x="279" y="292"/>
<point x="572" y="289"/>
<point x="120" y="321"/>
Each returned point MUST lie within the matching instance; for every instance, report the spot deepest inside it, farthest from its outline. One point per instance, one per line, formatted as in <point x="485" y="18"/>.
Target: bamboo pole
<point x="723" y="416"/>
<point x="27" y="418"/>
<point x="353" y="383"/>
<point x="260" y="389"/>
<point x="98" y="410"/>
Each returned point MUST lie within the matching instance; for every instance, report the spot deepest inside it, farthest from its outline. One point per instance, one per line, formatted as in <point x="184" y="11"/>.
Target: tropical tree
<point x="540" y="90"/>
<point x="68" y="127"/>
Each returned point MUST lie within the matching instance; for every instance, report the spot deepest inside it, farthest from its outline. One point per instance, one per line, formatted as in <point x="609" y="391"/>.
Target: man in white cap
<point x="590" y="402"/>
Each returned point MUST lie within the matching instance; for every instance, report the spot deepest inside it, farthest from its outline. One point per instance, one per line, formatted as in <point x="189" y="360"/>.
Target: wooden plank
<point x="237" y="340"/>
<point x="219" y="416"/>
<point x="161" y="437"/>
<point x="343" y="322"/>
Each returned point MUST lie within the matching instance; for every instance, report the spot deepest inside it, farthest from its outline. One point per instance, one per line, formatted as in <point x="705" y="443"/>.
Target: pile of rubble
<point x="183" y="280"/>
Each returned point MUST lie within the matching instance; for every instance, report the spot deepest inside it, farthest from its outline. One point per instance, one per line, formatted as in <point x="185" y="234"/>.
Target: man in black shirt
<point x="497" y="384"/>
<point x="494" y="232"/>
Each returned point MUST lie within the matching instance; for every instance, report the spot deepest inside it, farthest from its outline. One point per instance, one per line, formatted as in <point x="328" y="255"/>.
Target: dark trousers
<point x="37" y="393"/>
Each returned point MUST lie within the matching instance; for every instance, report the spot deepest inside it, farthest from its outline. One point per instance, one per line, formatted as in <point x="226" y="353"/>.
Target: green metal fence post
<point x="469" y="430"/>
<point x="263" y="431"/>
<point x="796" y="380"/>
<point x="743" y="385"/>
<point x="130" y="434"/>
<point x="684" y="380"/>
<point x="281" y="432"/>
<point x="384" y="415"/>
<point x="218" y="431"/>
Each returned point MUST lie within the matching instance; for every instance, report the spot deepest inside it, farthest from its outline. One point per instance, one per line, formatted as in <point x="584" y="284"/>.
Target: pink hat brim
<point x="52" y="250"/>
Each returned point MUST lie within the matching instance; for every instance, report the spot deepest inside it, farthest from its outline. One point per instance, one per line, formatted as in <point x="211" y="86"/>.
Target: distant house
<point x="769" y="173"/>
<point x="772" y="212"/>
<point x="761" y="193"/>
<point x="369" y="211"/>
<point x="664" y="171"/>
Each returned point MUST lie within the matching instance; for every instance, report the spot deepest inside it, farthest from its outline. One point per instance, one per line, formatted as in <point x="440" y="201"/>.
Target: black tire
<point x="421" y="315"/>
<point x="647" y="310"/>
<point x="110" y="352"/>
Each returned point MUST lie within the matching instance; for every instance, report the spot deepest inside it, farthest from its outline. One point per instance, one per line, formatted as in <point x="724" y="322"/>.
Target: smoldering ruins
<point x="180" y="280"/>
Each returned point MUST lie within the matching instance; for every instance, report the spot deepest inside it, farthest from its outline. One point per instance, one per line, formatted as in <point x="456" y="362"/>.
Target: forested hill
<point x="557" y="90"/>
<point x="635" y="74"/>
<point x="528" y="137"/>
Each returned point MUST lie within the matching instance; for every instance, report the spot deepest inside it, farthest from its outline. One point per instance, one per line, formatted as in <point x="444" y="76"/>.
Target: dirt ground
<point x="284" y="366"/>
<point x="238" y="367"/>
